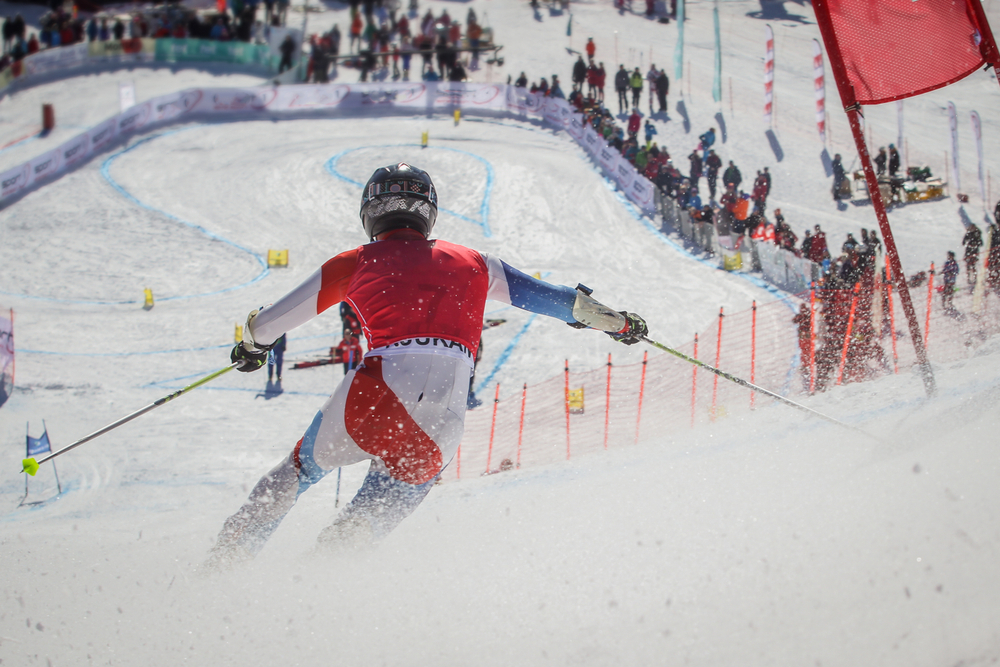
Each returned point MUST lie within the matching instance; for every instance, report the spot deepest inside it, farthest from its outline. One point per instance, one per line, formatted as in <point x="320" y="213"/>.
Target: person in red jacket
<point x="421" y="304"/>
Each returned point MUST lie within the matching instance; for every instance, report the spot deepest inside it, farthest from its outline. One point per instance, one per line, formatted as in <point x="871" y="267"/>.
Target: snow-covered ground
<point x="765" y="539"/>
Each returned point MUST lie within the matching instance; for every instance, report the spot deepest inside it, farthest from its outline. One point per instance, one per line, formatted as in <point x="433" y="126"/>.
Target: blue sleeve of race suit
<point x="538" y="296"/>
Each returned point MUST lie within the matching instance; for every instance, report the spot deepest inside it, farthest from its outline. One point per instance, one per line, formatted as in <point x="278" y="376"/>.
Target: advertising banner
<point x="6" y="355"/>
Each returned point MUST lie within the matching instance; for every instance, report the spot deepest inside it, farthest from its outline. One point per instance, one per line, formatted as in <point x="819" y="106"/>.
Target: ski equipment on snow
<point x="753" y="387"/>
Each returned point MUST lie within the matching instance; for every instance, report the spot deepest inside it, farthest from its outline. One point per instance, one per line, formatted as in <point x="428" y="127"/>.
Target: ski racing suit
<point x="421" y="305"/>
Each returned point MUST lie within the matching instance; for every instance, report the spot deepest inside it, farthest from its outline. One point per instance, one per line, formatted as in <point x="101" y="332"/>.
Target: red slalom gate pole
<point x="694" y="380"/>
<point x="607" y="403"/>
<point x="642" y="388"/>
<point x="930" y="299"/>
<point x="812" y="339"/>
<point x="520" y="429"/>
<point x="753" y="351"/>
<point x="853" y="110"/>
<point x="847" y="334"/>
<point x="718" y="355"/>
<point x="493" y="428"/>
<point x="566" y="400"/>
<point x="892" y="321"/>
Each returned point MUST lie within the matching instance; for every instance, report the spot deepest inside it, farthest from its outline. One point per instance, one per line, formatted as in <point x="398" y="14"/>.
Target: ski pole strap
<point x="30" y="465"/>
<point x="753" y="387"/>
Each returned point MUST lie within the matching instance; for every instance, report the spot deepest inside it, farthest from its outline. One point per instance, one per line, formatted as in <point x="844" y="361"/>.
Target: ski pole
<point x="753" y="387"/>
<point x="30" y="465"/>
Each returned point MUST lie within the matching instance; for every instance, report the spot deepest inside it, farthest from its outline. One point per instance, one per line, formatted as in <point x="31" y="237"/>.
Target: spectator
<point x="8" y="34"/>
<point x="651" y="76"/>
<point x="92" y="29"/>
<point x="579" y="73"/>
<point x="973" y="241"/>
<point x="803" y="324"/>
<point x="707" y="140"/>
<point x="712" y="163"/>
<point x="104" y="33"/>
<point x="621" y="87"/>
<point x="695" y="160"/>
<point x="522" y="81"/>
<point x="993" y="261"/>
<point x="287" y="49"/>
<point x="32" y="44"/>
<point x="806" y="244"/>
<point x="662" y="88"/>
<point x="950" y="274"/>
<point x="817" y="247"/>
<point x="732" y="177"/>
<point x="650" y="131"/>
<point x="602" y="75"/>
<point x="349" y="352"/>
<point x="759" y="195"/>
<point x="277" y="357"/>
<point x="118" y="30"/>
<point x="893" y="160"/>
<point x="839" y="177"/>
<point x="880" y="161"/>
<point x="635" y="83"/>
<point x="591" y="49"/>
<point x="556" y="90"/>
<point x="634" y="123"/>
<point x="458" y="73"/>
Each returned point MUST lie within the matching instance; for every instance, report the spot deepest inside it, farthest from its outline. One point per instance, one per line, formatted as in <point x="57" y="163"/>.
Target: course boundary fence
<point x="847" y="336"/>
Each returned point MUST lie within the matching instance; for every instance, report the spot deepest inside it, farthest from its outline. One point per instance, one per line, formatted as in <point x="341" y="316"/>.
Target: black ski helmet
<point x="398" y="196"/>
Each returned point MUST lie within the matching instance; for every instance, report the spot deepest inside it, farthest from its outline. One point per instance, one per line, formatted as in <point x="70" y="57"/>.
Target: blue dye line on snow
<point x="484" y="207"/>
<point x="106" y="172"/>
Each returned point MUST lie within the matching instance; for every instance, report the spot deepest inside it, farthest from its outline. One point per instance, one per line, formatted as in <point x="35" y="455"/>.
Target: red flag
<point x="891" y="49"/>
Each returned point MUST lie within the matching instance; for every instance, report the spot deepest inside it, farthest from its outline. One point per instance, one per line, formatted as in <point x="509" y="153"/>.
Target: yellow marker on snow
<point x="149" y="299"/>
<point x="458" y="115"/>
<point x="423" y="139"/>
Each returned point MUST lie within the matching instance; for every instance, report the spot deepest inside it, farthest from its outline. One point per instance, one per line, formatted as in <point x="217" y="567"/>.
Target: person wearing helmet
<point x="420" y="303"/>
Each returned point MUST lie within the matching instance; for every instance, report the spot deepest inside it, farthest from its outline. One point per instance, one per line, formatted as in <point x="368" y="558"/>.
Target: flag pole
<point x="853" y="111"/>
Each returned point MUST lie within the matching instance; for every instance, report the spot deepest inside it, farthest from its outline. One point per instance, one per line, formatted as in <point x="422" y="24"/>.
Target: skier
<point x="421" y="304"/>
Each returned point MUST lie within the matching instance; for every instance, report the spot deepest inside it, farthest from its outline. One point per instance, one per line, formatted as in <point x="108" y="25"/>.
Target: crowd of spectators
<point x="246" y="20"/>
<point x="383" y="43"/>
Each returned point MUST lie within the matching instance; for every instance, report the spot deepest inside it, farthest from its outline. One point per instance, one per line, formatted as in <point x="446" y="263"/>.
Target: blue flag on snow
<point x="569" y="26"/>
<point x="40" y="445"/>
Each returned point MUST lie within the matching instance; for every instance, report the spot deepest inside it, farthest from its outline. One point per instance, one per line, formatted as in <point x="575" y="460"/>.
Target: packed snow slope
<point x="771" y="539"/>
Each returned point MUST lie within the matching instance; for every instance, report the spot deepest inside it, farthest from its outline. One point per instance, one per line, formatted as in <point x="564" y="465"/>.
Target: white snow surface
<point x="766" y="539"/>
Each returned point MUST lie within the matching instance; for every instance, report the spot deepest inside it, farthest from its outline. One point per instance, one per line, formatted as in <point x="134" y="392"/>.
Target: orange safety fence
<point x="587" y="411"/>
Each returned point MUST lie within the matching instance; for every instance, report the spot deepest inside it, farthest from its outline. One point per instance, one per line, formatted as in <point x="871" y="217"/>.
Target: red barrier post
<point x="642" y="388"/>
<point x="812" y="339"/>
<point x="607" y="403"/>
<point x="753" y="351"/>
<point x="892" y="319"/>
<point x="847" y="334"/>
<point x="930" y="299"/>
<point x="694" y="379"/>
<point x="520" y="429"/>
<point x="718" y="354"/>
<point x="493" y="428"/>
<point x="566" y="400"/>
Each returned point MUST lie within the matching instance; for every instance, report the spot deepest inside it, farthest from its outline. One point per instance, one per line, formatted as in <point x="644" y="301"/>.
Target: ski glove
<point x="248" y="360"/>
<point x="635" y="328"/>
